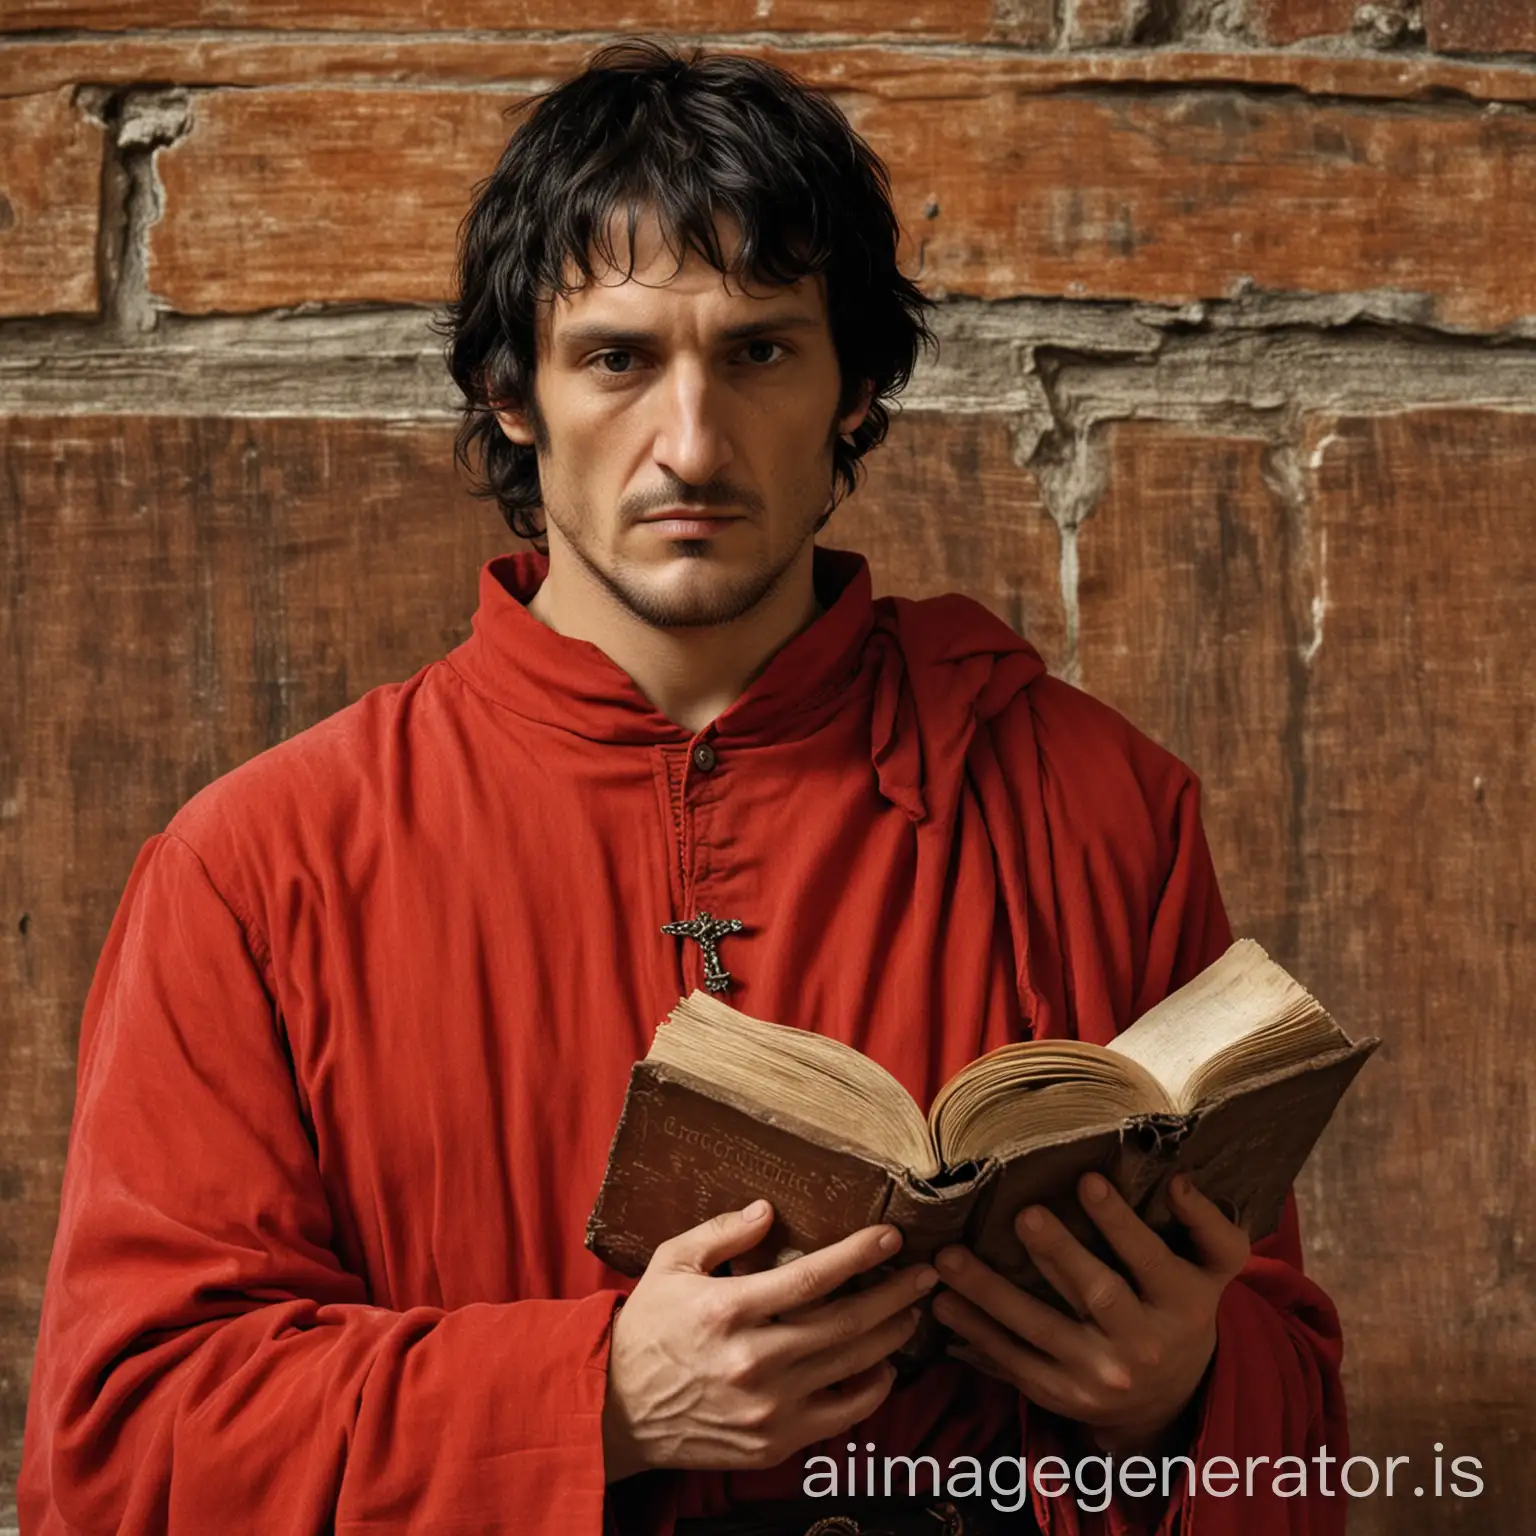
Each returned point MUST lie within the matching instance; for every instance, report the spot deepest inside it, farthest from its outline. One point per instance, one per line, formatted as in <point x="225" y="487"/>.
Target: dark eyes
<point x="618" y="361"/>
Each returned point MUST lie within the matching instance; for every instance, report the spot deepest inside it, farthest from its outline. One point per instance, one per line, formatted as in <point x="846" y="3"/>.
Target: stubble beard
<point x="708" y="604"/>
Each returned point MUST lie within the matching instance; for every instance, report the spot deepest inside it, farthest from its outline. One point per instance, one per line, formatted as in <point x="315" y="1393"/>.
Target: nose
<point x="692" y="441"/>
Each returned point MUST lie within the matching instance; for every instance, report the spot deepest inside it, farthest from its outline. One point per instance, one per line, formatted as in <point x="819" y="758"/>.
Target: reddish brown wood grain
<point x="1289" y="21"/>
<point x="280" y="197"/>
<point x="50" y="178"/>
<point x="35" y="62"/>
<point x="959" y="19"/>
<point x="1419" y="725"/>
<point x="1481" y="26"/>
<point x="1185" y="627"/>
<point x="1343" y="656"/>
<point x="944" y="508"/>
<point x="1173" y="197"/>
<point x="1102" y="23"/>
<point x="277" y="197"/>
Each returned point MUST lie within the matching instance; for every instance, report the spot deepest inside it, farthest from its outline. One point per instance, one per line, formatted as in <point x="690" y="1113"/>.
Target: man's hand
<point x="1134" y="1361"/>
<point x="715" y="1372"/>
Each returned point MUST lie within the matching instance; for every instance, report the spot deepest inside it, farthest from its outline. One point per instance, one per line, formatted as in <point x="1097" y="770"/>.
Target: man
<point x="360" y="1031"/>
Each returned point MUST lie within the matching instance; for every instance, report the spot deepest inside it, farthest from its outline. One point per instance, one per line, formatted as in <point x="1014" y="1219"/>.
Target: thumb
<point x="705" y="1247"/>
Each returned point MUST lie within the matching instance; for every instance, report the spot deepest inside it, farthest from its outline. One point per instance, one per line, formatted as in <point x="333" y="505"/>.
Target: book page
<point x="813" y="1079"/>
<point x="1238" y="1018"/>
<point x="1033" y="1092"/>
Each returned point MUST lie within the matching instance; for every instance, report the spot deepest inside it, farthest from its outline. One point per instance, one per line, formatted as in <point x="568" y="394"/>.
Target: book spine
<point x="929" y="1221"/>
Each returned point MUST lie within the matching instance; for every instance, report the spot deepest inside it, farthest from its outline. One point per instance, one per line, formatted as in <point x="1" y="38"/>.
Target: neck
<point x="690" y="675"/>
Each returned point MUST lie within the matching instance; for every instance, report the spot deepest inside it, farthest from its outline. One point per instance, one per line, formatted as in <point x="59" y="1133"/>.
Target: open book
<point x="1231" y="1080"/>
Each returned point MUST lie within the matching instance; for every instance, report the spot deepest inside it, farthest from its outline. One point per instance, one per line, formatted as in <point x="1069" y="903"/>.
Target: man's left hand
<point x="1133" y="1359"/>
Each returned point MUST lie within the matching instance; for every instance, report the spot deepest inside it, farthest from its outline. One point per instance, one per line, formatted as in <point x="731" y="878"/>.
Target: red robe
<point x="360" y="1031"/>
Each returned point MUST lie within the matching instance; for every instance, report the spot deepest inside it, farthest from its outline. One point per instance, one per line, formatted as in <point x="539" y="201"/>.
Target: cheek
<point x="585" y="443"/>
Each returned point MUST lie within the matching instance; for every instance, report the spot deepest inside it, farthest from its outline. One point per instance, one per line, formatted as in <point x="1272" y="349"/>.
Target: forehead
<point x="652" y="285"/>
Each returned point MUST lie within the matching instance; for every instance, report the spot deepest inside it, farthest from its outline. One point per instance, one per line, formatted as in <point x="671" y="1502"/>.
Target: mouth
<point x="688" y="523"/>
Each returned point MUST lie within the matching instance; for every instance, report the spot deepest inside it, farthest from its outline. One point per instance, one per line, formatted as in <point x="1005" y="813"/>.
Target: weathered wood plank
<point x="1418" y="720"/>
<point x="961" y="20"/>
<point x="34" y="63"/>
<point x="1289" y="21"/>
<point x="274" y="197"/>
<point x="1481" y="26"/>
<point x="1184" y="626"/>
<point x="1339" y="646"/>
<point x="50" y="194"/>
<point x="944" y="508"/>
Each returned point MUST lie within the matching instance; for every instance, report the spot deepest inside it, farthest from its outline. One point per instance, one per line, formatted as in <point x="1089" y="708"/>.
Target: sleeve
<point x="1273" y="1389"/>
<point x="204" y="1361"/>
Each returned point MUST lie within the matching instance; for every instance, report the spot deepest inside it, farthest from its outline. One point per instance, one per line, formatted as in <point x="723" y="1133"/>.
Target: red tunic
<point x="360" y="1032"/>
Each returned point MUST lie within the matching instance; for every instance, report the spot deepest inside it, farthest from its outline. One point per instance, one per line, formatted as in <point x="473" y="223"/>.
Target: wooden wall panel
<point x="1417" y="810"/>
<point x="1017" y="21"/>
<point x="179" y="595"/>
<point x="944" y="508"/>
<point x="39" y="61"/>
<point x="1289" y="21"/>
<point x="1184" y="626"/>
<point x="274" y="197"/>
<point x="1174" y="197"/>
<point x="50" y="190"/>
<point x="1481" y="26"/>
<point x="1345" y="661"/>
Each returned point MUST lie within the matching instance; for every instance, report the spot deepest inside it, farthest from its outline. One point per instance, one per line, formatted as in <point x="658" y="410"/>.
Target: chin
<point x="697" y="589"/>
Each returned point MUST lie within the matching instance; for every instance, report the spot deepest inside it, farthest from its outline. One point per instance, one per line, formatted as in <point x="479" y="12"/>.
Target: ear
<point x="515" y="426"/>
<point x="854" y="417"/>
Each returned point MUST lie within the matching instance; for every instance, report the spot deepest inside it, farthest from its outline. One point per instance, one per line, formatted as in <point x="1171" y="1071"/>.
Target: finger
<point x="1028" y="1369"/>
<point x="830" y="1413"/>
<point x="1026" y="1316"/>
<point x="1223" y="1245"/>
<point x="1088" y="1284"/>
<point x="857" y="1355"/>
<point x="814" y="1275"/>
<point x="828" y="1324"/>
<point x="702" y="1249"/>
<point x="1154" y="1267"/>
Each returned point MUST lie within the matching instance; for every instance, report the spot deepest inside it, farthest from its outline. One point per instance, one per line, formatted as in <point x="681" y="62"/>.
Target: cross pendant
<point x="706" y="932"/>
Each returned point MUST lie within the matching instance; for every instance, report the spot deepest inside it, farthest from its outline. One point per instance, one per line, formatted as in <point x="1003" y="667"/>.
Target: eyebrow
<point x="597" y="334"/>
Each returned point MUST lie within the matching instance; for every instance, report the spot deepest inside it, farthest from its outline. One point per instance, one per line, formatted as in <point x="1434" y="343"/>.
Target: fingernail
<point x="926" y="1280"/>
<point x="756" y="1211"/>
<point x="1095" y="1187"/>
<point x="1034" y="1219"/>
<point x="1180" y="1187"/>
<point x="890" y="1242"/>
<point x="951" y="1261"/>
<point x="914" y="1316"/>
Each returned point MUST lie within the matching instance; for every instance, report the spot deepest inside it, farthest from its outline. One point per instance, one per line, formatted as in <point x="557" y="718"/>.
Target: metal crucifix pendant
<point x="706" y="932"/>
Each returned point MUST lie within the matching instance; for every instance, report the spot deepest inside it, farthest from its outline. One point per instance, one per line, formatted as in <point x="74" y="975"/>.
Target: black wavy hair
<point x="690" y="138"/>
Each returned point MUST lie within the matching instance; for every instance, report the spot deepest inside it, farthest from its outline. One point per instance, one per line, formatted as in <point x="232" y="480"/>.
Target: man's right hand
<point x="742" y="1371"/>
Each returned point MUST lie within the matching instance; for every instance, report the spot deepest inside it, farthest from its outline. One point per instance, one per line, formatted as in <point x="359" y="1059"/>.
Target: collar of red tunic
<point x="571" y="684"/>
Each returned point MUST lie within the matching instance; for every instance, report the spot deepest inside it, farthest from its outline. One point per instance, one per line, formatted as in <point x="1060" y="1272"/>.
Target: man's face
<point x="684" y="428"/>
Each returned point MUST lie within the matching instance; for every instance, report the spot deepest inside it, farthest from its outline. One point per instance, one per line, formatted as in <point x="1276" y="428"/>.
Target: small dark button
<point x="704" y="757"/>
